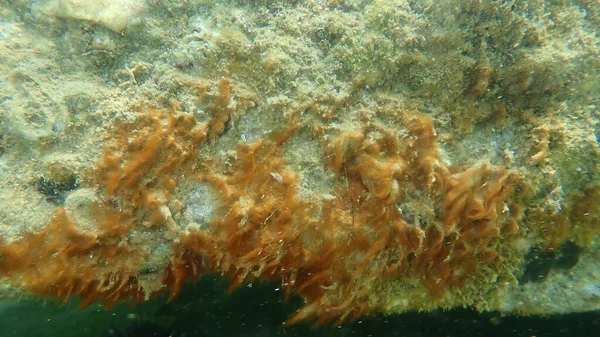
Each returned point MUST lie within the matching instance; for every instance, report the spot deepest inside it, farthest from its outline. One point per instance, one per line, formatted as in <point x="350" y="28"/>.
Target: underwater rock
<point x="115" y="15"/>
<point x="375" y="158"/>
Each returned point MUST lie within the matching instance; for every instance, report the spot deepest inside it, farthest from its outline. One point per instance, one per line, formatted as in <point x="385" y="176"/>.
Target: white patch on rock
<point x="115" y="15"/>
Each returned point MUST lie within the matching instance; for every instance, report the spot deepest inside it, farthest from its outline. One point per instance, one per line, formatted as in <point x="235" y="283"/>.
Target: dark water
<point x="206" y="309"/>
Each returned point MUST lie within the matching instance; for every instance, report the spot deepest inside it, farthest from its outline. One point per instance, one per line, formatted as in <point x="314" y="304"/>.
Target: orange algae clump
<point x="482" y="74"/>
<point x="333" y="251"/>
<point x="472" y="203"/>
<point x="221" y="109"/>
<point x="65" y="262"/>
<point x="135" y="176"/>
<point x="446" y="248"/>
<point x="266" y="232"/>
<point x="329" y="250"/>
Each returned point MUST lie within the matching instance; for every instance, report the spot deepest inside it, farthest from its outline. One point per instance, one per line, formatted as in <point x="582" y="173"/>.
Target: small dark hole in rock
<point x="56" y="192"/>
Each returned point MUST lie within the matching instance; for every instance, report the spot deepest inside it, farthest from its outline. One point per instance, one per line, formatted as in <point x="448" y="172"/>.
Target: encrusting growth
<point x="330" y="250"/>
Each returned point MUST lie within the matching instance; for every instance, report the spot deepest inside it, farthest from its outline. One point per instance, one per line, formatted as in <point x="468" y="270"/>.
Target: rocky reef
<point x="368" y="156"/>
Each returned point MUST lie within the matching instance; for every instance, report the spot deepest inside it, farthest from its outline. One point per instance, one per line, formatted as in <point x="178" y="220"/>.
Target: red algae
<point x="329" y="251"/>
